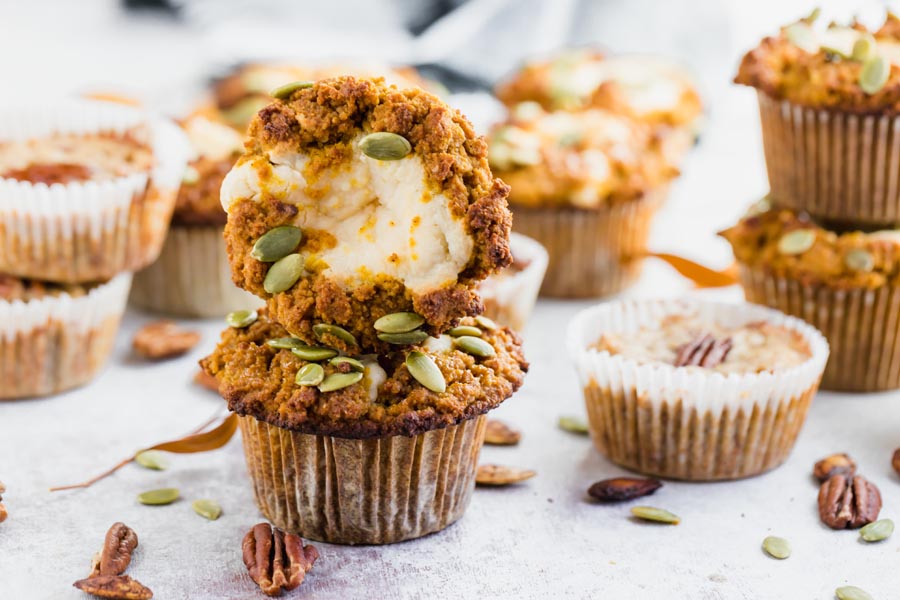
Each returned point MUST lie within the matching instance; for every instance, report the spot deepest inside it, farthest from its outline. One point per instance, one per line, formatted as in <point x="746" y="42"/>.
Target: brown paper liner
<point x="839" y="167"/>
<point x="372" y="491"/>
<point x="592" y="252"/>
<point x="862" y="327"/>
<point x="191" y="277"/>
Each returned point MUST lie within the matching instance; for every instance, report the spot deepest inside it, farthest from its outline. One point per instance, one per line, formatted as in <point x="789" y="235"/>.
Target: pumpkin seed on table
<point x="346" y="360"/>
<point x="310" y="375"/>
<point x="401" y="322"/>
<point x="286" y="343"/>
<point x="657" y="515"/>
<point x="874" y="74"/>
<point x="283" y="274"/>
<point x="159" y="497"/>
<point x="573" y="424"/>
<point x="797" y="241"/>
<point x="863" y="48"/>
<point x="465" y="330"/>
<point x="284" y="91"/>
<point x="499" y="475"/>
<point x="314" y="353"/>
<point x="208" y="509"/>
<point x="424" y="370"/>
<point x="276" y="243"/>
<point x="338" y="381"/>
<point x="474" y="346"/>
<point x="384" y="145"/>
<point x="859" y="260"/>
<point x="324" y="329"/>
<point x="498" y="433"/>
<point x="486" y="323"/>
<point x="851" y="592"/>
<point x="877" y="530"/>
<point x="404" y="339"/>
<point x="152" y="459"/>
<point x="241" y="318"/>
<point x="777" y="547"/>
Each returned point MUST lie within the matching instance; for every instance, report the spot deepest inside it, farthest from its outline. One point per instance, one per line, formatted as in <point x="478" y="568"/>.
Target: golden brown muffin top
<point x="588" y="159"/>
<point x="847" y="68"/>
<point x="416" y="233"/>
<point x="15" y="288"/>
<point x="259" y="380"/>
<point x="791" y="245"/>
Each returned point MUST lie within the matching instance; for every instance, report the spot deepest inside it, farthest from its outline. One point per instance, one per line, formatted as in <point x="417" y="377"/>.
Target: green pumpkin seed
<point x="338" y="381"/>
<point x="864" y="48"/>
<point x="813" y="16"/>
<point x="874" y="74"/>
<point x="474" y="346"/>
<point x="159" y="497"/>
<point x="859" y="260"/>
<point x="152" y="459"/>
<point x="384" y="145"/>
<point x="284" y="91"/>
<point x="208" y="509"/>
<point x="241" y="318"/>
<point x="486" y="323"/>
<point x="649" y="513"/>
<point x="324" y="329"/>
<point x="797" y="241"/>
<point x="346" y="360"/>
<point x="283" y="274"/>
<point x="242" y="112"/>
<point x="802" y="36"/>
<point x="851" y="592"/>
<point x="311" y="374"/>
<point x="465" y="330"/>
<point x="276" y="243"/>
<point x="286" y="343"/>
<point x="777" y="547"/>
<point x="423" y="368"/>
<point x="573" y="424"/>
<point x="401" y="322"/>
<point x="877" y="530"/>
<point x="314" y="353"/>
<point x="404" y="339"/>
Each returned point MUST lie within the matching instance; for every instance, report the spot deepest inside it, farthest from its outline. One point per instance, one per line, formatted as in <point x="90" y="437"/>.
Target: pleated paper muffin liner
<point x="93" y="230"/>
<point x="592" y="253"/>
<point x="691" y="423"/>
<point x="510" y="297"/>
<point x="371" y="491"/>
<point x="58" y="342"/>
<point x="191" y="277"/>
<point x="862" y="326"/>
<point x="839" y="167"/>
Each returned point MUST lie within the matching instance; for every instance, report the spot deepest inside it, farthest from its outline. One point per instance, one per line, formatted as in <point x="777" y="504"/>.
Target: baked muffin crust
<point x="16" y="288"/>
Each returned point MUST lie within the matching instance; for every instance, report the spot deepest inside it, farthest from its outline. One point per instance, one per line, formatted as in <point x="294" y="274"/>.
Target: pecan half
<point x="703" y="351"/>
<point x="848" y="503"/>
<point x="120" y="542"/>
<point x="498" y="433"/>
<point x="620" y="489"/>
<point x="163" y="339"/>
<point x="895" y="461"/>
<point x="836" y="464"/>
<point x="276" y="560"/>
<point x="3" y="513"/>
<point x="115" y="587"/>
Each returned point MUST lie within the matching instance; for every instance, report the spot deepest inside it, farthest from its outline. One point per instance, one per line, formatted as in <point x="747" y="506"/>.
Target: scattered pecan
<point x="276" y="560"/>
<point x="115" y="587"/>
<point x="163" y="339"/>
<point x="120" y="542"/>
<point x="895" y="461"/>
<point x="836" y="464"/>
<point x="848" y="503"/>
<point x="498" y="433"/>
<point x="204" y="379"/>
<point x="497" y="475"/>
<point x="620" y="489"/>
<point x="703" y="351"/>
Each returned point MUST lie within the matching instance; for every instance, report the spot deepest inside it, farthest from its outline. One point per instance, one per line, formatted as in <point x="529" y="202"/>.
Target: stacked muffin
<point x="590" y="147"/>
<point x="365" y="216"/>
<point x="86" y="193"/>
<point x="823" y="246"/>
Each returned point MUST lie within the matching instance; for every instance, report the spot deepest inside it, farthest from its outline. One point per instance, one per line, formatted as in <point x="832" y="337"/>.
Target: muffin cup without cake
<point x="53" y="338"/>
<point x="510" y="295"/>
<point x="86" y="189"/>
<point x="696" y="423"/>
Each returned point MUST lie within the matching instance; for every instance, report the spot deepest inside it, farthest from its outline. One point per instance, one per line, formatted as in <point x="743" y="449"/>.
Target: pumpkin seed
<point x="401" y="322"/>
<point x="802" y="36"/>
<point x="346" y="360"/>
<point x="190" y="176"/>
<point x="573" y="424"/>
<point x="874" y="74"/>
<point x="276" y="243"/>
<point x="338" y="381"/>
<point x="423" y="368"/>
<point x="314" y="353"/>
<point x="286" y="343"/>
<point x="863" y="48"/>
<point x="851" y="592"/>
<point x="287" y="89"/>
<point x="241" y="318"/>
<point x="777" y="547"/>
<point x="474" y="346"/>
<point x="242" y="112"/>
<point x="486" y="323"/>
<point x="324" y="329"/>
<point x="311" y="374"/>
<point x="159" y="497"/>
<point x="384" y="145"/>
<point x="859" y="260"/>
<point x="813" y="16"/>
<point x="797" y="241"/>
<point x="465" y="330"/>
<point x="649" y="513"/>
<point x="283" y="274"/>
<point x="499" y="475"/>
<point x="877" y="530"/>
<point x="404" y="339"/>
<point x="152" y="459"/>
<point x="208" y="509"/>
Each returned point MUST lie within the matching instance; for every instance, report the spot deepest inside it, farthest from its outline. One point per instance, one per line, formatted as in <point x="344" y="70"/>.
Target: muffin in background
<point x="509" y="295"/>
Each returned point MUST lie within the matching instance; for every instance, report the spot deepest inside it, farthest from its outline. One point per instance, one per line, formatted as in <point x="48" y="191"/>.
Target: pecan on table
<point x="848" y="503"/>
<point x="120" y="542"/>
<point x="703" y="351"/>
<point x="895" y="461"/>
<point x="836" y="464"/>
<point x="114" y="587"/>
<point x="163" y="339"/>
<point x="276" y="560"/>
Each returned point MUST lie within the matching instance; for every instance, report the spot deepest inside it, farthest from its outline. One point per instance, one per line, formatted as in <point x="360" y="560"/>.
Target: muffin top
<point x="847" y="68"/>
<point x="15" y="288"/>
<point x="702" y="343"/>
<point x="381" y="396"/>
<point x="588" y="159"/>
<point x="355" y="200"/>
<point x="792" y="245"/>
<point x="646" y="88"/>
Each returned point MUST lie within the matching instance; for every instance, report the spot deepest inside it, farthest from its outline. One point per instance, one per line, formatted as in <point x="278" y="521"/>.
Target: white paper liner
<point x="510" y="298"/>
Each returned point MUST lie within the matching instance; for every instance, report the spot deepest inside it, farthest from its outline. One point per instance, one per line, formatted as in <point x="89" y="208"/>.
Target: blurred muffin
<point x="585" y="185"/>
<point x="509" y="295"/>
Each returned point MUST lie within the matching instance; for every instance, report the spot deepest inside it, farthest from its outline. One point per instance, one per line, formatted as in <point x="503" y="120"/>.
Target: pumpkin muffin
<point x="695" y="390"/>
<point x="829" y="98"/>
